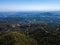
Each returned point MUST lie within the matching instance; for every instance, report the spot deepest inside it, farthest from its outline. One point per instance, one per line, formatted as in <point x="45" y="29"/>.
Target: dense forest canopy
<point x="30" y="28"/>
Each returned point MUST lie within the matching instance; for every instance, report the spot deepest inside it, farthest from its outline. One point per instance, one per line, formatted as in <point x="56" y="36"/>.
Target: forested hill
<point x="30" y="28"/>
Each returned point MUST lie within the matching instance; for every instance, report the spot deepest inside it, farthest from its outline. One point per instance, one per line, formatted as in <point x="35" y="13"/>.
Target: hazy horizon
<point x="29" y="5"/>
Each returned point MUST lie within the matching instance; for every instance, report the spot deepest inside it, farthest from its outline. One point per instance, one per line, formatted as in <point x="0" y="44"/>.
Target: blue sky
<point x="29" y="5"/>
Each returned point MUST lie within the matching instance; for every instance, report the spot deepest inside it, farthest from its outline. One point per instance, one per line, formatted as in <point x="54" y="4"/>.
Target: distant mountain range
<point x="49" y="17"/>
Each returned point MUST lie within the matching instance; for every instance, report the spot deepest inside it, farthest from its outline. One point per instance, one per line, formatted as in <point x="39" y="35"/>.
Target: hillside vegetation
<point x="16" y="38"/>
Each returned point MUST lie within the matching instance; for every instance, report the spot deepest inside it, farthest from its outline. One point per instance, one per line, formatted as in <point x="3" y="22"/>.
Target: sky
<point x="29" y="5"/>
